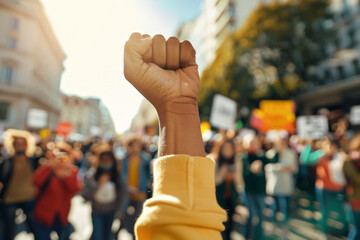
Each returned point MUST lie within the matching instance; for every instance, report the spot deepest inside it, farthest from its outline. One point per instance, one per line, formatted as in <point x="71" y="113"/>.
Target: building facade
<point x="337" y="77"/>
<point x="146" y="116"/>
<point x="31" y="64"/>
<point x="217" y="20"/>
<point x="89" y="117"/>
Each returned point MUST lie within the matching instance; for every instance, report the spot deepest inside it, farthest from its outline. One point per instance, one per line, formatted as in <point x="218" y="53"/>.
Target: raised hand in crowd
<point x="166" y="73"/>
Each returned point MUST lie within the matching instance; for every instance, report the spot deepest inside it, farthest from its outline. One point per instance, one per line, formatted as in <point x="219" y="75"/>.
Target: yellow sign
<point x="205" y="126"/>
<point x="44" y="133"/>
<point x="274" y="115"/>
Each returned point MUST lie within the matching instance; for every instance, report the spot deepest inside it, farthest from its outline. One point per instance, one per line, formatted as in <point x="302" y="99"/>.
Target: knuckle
<point x="159" y="39"/>
<point x="173" y="40"/>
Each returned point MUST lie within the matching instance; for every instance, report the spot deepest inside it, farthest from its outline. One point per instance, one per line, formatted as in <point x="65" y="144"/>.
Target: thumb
<point x="133" y="60"/>
<point x="138" y="46"/>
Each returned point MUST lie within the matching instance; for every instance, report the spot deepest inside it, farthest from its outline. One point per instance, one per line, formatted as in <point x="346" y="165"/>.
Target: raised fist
<point x="164" y="72"/>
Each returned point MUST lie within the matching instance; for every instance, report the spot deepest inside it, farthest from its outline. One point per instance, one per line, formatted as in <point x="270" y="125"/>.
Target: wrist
<point x="182" y="106"/>
<point x="180" y="129"/>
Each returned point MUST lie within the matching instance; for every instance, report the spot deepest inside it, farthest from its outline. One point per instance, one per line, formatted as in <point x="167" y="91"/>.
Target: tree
<point x="269" y="56"/>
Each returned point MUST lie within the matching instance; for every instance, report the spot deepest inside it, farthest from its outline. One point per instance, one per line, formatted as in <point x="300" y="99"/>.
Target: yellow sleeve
<point x="184" y="204"/>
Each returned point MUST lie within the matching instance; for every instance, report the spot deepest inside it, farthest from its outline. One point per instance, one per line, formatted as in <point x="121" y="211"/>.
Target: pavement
<point x="300" y="226"/>
<point x="80" y="217"/>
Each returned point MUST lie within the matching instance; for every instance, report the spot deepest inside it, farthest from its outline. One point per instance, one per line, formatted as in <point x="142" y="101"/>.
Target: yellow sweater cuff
<point x="184" y="204"/>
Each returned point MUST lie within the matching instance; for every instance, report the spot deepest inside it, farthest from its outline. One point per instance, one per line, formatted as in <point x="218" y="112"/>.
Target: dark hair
<point x="15" y="138"/>
<point x="114" y="172"/>
<point x="222" y="159"/>
<point x="335" y="143"/>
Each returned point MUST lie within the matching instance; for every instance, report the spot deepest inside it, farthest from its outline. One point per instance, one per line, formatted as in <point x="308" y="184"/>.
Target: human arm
<point x="90" y="185"/>
<point x="72" y="181"/>
<point x="308" y="157"/>
<point x="41" y="175"/>
<point x="184" y="204"/>
<point x="220" y="174"/>
<point x="173" y="92"/>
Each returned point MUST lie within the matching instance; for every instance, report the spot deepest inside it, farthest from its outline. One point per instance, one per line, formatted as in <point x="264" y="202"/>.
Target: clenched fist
<point x="165" y="72"/>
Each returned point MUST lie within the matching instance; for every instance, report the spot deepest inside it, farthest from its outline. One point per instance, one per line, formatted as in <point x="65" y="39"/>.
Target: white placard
<point x="223" y="112"/>
<point x="37" y="118"/>
<point x="313" y="127"/>
<point x="95" y="131"/>
<point x="355" y="115"/>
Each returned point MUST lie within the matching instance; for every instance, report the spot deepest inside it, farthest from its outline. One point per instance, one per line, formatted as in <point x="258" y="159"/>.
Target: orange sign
<point x="274" y="115"/>
<point x="64" y="128"/>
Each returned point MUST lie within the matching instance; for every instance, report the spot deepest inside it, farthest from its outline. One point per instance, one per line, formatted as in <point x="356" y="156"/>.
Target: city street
<point x="299" y="226"/>
<point x="231" y="118"/>
<point x="80" y="217"/>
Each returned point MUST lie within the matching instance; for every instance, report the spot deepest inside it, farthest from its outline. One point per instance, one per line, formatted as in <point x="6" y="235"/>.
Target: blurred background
<point x="270" y="69"/>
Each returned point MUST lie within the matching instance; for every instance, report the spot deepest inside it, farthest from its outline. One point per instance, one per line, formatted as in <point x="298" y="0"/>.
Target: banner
<point x="274" y="115"/>
<point x="312" y="127"/>
<point x="223" y="112"/>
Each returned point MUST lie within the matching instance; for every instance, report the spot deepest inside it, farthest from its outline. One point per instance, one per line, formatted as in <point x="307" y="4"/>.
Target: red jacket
<point x="324" y="180"/>
<point x="56" y="199"/>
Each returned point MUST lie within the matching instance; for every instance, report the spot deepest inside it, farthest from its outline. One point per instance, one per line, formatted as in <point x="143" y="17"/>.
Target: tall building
<point x="31" y="64"/>
<point x="338" y="74"/>
<point x="146" y="116"/>
<point x="89" y="117"/>
<point x="217" y="20"/>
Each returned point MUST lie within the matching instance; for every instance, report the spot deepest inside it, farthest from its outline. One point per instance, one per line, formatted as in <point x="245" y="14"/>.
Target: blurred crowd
<point x="39" y="178"/>
<point x="267" y="177"/>
<point x="259" y="178"/>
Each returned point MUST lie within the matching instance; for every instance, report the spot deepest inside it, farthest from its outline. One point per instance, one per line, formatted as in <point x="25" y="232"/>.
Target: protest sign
<point x="64" y="128"/>
<point x="313" y="127"/>
<point x="355" y="115"/>
<point x="274" y="115"/>
<point x="37" y="118"/>
<point x="223" y="112"/>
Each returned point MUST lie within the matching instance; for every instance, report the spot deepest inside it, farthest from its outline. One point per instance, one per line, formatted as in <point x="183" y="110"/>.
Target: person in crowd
<point x="16" y="188"/>
<point x="226" y="180"/>
<point x="57" y="182"/>
<point x="254" y="161"/>
<point x="104" y="189"/>
<point x="310" y="151"/>
<point x="183" y="205"/>
<point x="280" y="176"/>
<point x="136" y="167"/>
<point x="327" y="188"/>
<point x="352" y="174"/>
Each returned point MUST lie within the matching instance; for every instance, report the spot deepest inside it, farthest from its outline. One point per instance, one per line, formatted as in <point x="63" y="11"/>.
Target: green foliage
<point x="268" y="56"/>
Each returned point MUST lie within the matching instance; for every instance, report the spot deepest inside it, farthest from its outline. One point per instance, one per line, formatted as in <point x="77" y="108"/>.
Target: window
<point x="7" y="74"/>
<point x="340" y="72"/>
<point x="328" y="76"/>
<point x="356" y="63"/>
<point x="15" y="24"/>
<point x="12" y="43"/>
<point x="351" y="39"/>
<point x="4" y="111"/>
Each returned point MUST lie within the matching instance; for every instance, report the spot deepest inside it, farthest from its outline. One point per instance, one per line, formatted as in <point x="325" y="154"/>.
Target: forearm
<point x="180" y="130"/>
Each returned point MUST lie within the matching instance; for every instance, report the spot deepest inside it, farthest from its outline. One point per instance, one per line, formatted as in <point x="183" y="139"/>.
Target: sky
<point x="93" y="33"/>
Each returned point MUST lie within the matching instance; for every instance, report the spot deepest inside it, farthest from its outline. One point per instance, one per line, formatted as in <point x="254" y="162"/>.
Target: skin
<point x="61" y="169"/>
<point x="166" y="74"/>
<point x="20" y="144"/>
